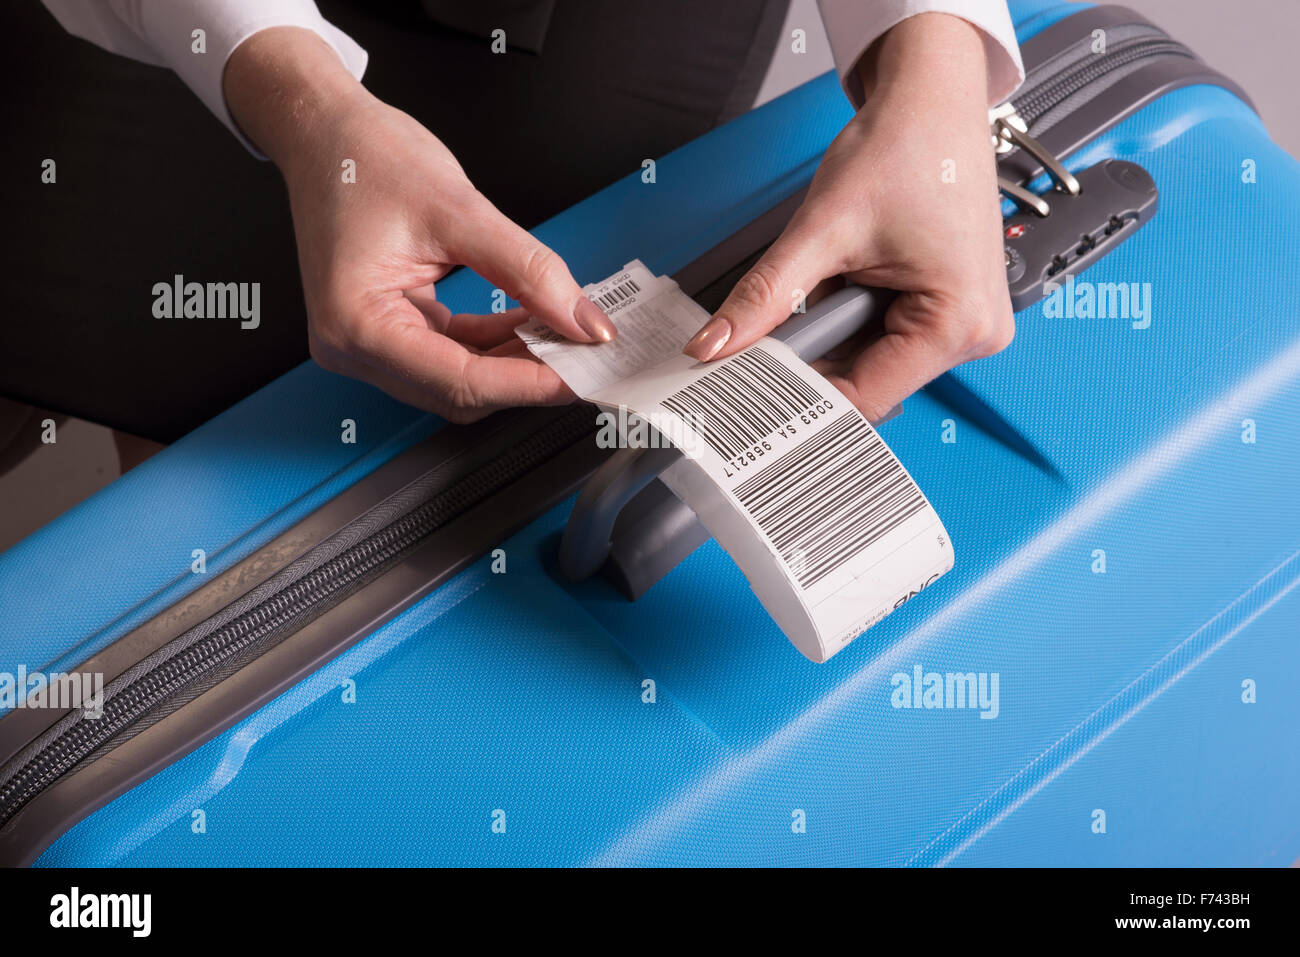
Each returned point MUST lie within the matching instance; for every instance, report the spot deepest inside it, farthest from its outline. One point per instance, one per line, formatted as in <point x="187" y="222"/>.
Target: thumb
<point x="764" y="297"/>
<point x="530" y="272"/>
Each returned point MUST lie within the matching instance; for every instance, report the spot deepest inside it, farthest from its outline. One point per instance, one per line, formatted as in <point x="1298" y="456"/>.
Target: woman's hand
<point x="906" y="199"/>
<point x="371" y="250"/>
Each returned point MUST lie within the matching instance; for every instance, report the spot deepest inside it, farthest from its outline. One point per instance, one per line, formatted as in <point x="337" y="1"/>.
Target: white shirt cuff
<point x="161" y="32"/>
<point x="853" y="25"/>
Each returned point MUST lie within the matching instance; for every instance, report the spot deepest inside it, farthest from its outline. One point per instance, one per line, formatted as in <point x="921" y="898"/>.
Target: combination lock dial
<point x="1114" y="200"/>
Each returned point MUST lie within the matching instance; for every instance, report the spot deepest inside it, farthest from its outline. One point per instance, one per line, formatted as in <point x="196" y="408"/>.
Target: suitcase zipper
<point x="76" y="737"/>
<point x="1034" y="103"/>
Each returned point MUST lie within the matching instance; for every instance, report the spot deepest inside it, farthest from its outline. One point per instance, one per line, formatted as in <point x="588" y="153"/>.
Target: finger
<point x="887" y="372"/>
<point x="517" y="350"/>
<point x="489" y="331"/>
<point x="480" y="331"/>
<point x="420" y="396"/>
<point x="418" y="365"/>
<point x="486" y="398"/>
<point x="511" y="347"/>
<point x="765" y="296"/>
<point x="828" y="366"/>
<point x="531" y="273"/>
<point x="920" y="345"/>
<point x="425" y="298"/>
<point x="823" y="289"/>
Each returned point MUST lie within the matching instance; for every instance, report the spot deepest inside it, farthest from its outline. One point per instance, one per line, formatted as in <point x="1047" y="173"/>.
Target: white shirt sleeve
<point x="853" y="25"/>
<point x="161" y="32"/>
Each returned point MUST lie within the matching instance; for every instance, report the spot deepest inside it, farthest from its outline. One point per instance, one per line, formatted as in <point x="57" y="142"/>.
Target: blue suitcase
<point x="382" y="663"/>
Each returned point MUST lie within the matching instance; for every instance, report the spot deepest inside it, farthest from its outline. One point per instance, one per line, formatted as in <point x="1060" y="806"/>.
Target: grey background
<point x="1253" y="41"/>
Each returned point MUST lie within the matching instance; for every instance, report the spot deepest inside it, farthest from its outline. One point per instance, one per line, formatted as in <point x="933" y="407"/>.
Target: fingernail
<point x="704" y="345"/>
<point x="593" y="322"/>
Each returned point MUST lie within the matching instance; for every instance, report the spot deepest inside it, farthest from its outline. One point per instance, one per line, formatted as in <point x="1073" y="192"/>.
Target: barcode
<point x="620" y="293"/>
<point x="830" y="497"/>
<point x="742" y="401"/>
<point x="543" y="334"/>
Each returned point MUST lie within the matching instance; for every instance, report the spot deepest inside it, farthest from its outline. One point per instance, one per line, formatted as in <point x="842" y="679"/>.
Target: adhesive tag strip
<point x="809" y="501"/>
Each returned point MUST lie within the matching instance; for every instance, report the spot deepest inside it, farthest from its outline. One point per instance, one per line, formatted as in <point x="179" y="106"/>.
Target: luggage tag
<point x="825" y="523"/>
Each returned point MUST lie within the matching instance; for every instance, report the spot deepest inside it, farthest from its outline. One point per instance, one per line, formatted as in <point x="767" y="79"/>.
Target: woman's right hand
<point x="371" y="251"/>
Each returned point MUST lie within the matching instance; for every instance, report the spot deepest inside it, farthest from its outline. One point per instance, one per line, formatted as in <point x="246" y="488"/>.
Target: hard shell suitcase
<point x="382" y="663"/>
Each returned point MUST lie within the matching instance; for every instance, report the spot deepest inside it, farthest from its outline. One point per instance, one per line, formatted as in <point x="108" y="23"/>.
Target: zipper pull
<point x="1009" y="130"/>
<point x="1023" y="197"/>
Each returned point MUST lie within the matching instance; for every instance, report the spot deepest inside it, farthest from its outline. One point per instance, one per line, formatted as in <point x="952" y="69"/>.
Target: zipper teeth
<point x="290" y="604"/>
<point x="1047" y="95"/>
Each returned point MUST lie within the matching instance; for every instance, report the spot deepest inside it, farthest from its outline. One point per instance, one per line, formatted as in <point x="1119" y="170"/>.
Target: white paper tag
<point x="654" y="319"/>
<point x="822" y="518"/>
